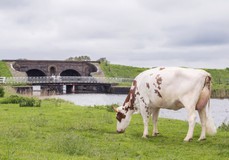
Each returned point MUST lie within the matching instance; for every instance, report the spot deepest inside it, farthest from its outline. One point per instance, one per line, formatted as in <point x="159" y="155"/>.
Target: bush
<point x="22" y="101"/>
<point x="13" y="99"/>
<point x="224" y="126"/>
<point x="30" y="102"/>
<point x="2" y="92"/>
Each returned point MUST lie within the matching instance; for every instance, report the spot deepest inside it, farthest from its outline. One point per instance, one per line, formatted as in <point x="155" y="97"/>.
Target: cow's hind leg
<point x="155" y="113"/>
<point x="191" y="122"/>
<point x="203" y="118"/>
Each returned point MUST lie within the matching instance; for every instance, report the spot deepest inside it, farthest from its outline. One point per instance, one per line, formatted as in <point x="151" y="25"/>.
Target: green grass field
<point x="62" y="131"/>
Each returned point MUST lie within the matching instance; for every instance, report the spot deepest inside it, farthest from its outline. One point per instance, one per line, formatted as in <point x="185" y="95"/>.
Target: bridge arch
<point x="55" y="68"/>
<point x="35" y="73"/>
<point x="52" y="70"/>
<point x="70" y="72"/>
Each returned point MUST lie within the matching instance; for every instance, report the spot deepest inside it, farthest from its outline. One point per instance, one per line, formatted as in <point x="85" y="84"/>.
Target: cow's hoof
<point x="202" y="139"/>
<point x="155" y="134"/>
<point x="145" y="136"/>
<point x="188" y="139"/>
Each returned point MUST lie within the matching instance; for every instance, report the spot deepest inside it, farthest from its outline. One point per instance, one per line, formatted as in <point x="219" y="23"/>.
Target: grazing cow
<point x="170" y="88"/>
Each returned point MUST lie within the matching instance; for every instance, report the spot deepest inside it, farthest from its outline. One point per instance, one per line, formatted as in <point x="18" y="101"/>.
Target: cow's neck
<point x="130" y="99"/>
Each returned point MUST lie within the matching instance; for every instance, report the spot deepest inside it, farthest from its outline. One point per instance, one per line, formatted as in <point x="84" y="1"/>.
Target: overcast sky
<point x="145" y="33"/>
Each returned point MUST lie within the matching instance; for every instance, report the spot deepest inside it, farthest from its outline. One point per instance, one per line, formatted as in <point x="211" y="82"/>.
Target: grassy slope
<point x="64" y="131"/>
<point x="114" y="70"/>
<point x="220" y="76"/>
<point x="4" y="71"/>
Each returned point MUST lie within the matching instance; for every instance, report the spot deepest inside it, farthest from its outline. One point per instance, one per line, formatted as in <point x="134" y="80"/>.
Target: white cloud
<point x="134" y="32"/>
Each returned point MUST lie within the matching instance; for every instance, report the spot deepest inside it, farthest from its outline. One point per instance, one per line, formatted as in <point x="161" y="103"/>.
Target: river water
<point x="219" y="107"/>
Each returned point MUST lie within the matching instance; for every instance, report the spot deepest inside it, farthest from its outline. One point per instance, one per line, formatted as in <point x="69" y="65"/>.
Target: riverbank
<point x="219" y="107"/>
<point x="220" y="93"/>
<point x="216" y="93"/>
<point x="62" y="130"/>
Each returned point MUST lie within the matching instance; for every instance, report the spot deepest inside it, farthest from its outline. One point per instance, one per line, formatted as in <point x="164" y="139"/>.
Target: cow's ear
<point x="115" y="109"/>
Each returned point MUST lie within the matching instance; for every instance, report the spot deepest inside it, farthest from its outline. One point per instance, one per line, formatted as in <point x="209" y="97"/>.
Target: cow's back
<point x="168" y="87"/>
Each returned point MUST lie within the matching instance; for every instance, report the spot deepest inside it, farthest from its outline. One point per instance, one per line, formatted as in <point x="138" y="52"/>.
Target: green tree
<point x="79" y="58"/>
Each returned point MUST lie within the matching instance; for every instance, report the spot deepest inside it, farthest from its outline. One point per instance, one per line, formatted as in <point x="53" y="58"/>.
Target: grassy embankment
<point x="4" y="71"/>
<point x="220" y="82"/>
<point x="121" y="71"/>
<point x="60" y="130"/>
<point x="220" y="87"/>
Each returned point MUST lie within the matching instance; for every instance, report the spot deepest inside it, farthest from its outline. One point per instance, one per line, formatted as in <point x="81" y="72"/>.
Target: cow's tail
<point x="210" y="125"/>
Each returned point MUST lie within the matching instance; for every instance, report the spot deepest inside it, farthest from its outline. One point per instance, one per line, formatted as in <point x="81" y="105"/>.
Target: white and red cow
<point x="169" y="88"/>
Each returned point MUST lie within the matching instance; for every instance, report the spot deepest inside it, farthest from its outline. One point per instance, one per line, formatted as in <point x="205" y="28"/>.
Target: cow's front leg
<point x="191" y="122"/>
<point x="144" y="109"/>
<point x="146" y="124"/>
<point x="155" y="113"/>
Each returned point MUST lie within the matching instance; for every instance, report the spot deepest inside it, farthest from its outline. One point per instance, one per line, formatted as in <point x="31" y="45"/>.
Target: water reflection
<point x="219" y="107"/>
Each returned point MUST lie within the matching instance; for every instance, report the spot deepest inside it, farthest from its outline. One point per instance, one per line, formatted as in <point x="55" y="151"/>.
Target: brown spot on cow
<point x="143" y="100"/>
<point x="155" y="85"/>
<point x="120" y="116"/>
<point x="158" y="93"/>
<point x="158" y="79"/>
<point x="207" y="82"/>
<point x="147" y="85"/>
<point x="146" y="106"/>
<point x="161" y="68"/>
<point x="178" y="104"/>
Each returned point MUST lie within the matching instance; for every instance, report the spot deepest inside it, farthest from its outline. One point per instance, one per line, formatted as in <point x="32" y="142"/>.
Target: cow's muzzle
<point x="120" y="131"/>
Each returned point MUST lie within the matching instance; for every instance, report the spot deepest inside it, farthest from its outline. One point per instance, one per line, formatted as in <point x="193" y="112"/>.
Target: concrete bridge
<point x="37" y="68"/>
<point x="48" y="85"/>
<point x="60" y="77"/>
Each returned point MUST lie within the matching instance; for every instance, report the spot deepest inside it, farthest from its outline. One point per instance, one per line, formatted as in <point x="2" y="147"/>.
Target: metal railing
<point x="2" y="79"/>
<point x="61" y="79"/>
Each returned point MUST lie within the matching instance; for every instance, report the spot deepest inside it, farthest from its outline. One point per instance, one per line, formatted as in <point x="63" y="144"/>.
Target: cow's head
<point x="125" y="111"/>
<point x="123" y="119"/>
